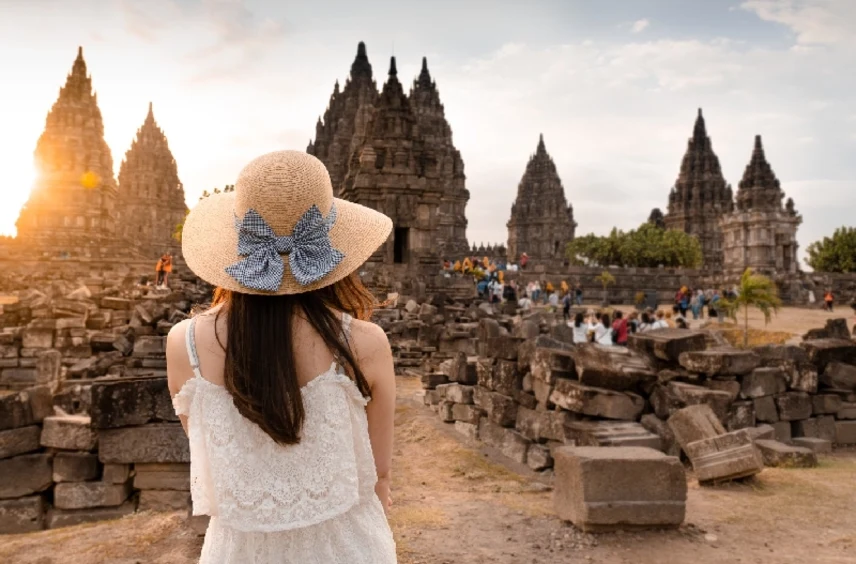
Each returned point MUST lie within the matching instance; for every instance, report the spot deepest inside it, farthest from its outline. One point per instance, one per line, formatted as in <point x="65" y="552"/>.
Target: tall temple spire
<point x="759" y="188"/>
<point x="542" y="149"/>
<point x="424" y="79"/>
<point x="393" y="71"/>
<point x="361" y="68"/>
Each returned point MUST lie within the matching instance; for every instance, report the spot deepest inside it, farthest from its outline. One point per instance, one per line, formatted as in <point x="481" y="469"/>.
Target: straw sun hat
<point x="280" y="231"/>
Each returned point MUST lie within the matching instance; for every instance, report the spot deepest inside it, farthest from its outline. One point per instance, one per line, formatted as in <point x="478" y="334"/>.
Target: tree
<point x="836" y="253"/>
<point x="648" y="246"/>
<point x="754" y="290"/>
<point x="606" y="279"/>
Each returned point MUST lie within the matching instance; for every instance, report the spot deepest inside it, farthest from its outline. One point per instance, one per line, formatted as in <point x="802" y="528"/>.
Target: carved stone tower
<point x="71" y="206"/>
<point x="542" y="222"/>
<point x="151" y="197"/>
<point x="700" y="196"/>
<point x="761" y="233"/>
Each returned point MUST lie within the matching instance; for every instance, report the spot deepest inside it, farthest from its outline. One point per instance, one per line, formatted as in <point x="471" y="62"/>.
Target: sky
<point x="613" y="85"/>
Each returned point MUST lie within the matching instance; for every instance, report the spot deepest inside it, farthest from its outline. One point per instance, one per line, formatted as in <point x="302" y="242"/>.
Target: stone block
<point x="19" y="441"/>
<point x="444" y="409"/>
<point x="793" y="406"/>
<point x="468" y="430"/>
<point x="22" y="515"/>
<point x="726" y="457"/>
<point x="109" y="302"/>
<point x="729" y="386"/>
<point x="818" y="446"/>
<point x="777" y="355"/>
<point x="604" y="489"/>
<point x="82" y="495"/>
<point x="433" y="379"/>
<point x="847" y="411"/>
<point x="669" y="398"/>
<point x="509" y="442"/>
<point x="37" y="338"/>
<point x="668" y="344"/>
<point x="762" y="432"/>
<point x="765" y="409"/>
<point x="550" y="355"/>
<point x="163" y="500"/>
<point x="75" y="467"/>
<point x="720" y="361"/>
<point x="431" y="398"/>
<point x="802" y="377"/>
<point x="542" y="391"/>
<point x="778" y="454"/>
<point x="456" y="393"/>
<point x="845" y="432"/>
<point x="18" y="377"/>
<point x="661" y="428"/>
<point x="695" y="423"/>
<point x="597" y="402"/>
<point x="839" y="376"/>
<point x="741" y="415"/>
<point x="782" y="430"/>
<point x="613" y="368"/>
<point x="116" y="473"/>
<point x="462" y="369"/>
<point x="57" y="518"/>
<point x="504" y="378"/>
<point x="826" y="404"/>
<point x="502" y="346"/>
<point x="764" y="382"/>
<point x="530" y="423"/>
<point x="610" y="433"/>
<point x="162" y="477"/>
<point x="148" y="347"/>
<point x="25" y="474"/>
<point x="68" y="432"/>
<point x="466" y="413"/>
<point x="500" y="409"/>
<point x="821" y="352"/>
<point x="161" y="443"/>
<point x="539" y="458"/>
<point x="123" y="402"/>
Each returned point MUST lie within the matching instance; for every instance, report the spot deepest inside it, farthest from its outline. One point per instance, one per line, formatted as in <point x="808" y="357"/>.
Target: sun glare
<point x="18" y="178"/>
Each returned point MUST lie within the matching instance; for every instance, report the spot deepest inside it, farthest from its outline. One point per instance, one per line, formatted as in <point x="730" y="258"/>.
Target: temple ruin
<point x="700" y="196"/>
<point x="542" y="221"/>
<point x="761" y="232"/>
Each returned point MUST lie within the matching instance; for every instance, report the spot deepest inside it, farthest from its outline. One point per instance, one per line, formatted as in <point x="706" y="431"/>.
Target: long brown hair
<point x="260" y="371"/>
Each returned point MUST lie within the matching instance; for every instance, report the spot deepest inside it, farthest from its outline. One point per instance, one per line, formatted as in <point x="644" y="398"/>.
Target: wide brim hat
<point x="280" y="231"/>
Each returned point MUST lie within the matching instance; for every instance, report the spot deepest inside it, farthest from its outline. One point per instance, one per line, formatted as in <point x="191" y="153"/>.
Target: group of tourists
<point x="604" y="329"/>
<point x="695" y="301"/>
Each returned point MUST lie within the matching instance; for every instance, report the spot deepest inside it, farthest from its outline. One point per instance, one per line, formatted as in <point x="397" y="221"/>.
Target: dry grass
<point x="757" y="337"/>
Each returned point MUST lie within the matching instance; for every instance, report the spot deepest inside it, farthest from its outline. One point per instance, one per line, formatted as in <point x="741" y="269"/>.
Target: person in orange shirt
<point x="159" y="271"/>
<point x="828" y="299"/>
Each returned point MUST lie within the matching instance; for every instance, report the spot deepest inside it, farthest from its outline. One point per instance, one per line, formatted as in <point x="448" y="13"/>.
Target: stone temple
<point x="393" y="152"/>
<point x="542" y="222"/>
<point x="700" y="196"/>
<point x="761" y="232"/>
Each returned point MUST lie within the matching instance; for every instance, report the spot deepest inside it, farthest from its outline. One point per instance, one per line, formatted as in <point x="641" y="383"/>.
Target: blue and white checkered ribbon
<point x="311" y="255"/>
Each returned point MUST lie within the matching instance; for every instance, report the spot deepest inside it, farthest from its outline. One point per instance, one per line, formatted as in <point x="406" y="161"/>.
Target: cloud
<point x="640" y="25"/>
<point x="148" y="21"/>
<point x="815" y="22"/>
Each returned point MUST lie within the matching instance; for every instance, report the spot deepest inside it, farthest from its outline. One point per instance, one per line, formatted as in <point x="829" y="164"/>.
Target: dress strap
<point x="190" y="340"/>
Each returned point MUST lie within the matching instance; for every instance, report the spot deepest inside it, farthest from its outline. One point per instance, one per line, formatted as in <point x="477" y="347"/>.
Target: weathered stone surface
<point x="57" y="518"/>
<point x="162" y="477"/>
<point x="729" y="386"/>
<point x="163" y="500"/>
<point x="530" y="423"/>
<point x="778" y="454"/>
<point x="68" y="432"/>
<point x="802" y="377"/>
<point x="821" y="352"/>
<point x="466" y="413"/>
<point x="19" y="441"/>
<point x="775" y="355"/>
<point x="456" y="393"/>
<point x="503" y="347"/>
<point x="839" y="376"/>
<point x="444" y="409"/>
<point x="468" y="430"/>
<point x="539" y="458"/>
<point x="75" y="467"/>
<point x="509" y="442"/>
<point x="597" y="402"/>
<point x="147" y="347"/>
<point x="462" y="369"/>
<point x="845" y="432"/>
<point x="847" y="411"/>
<point x="669" y="398"/>
<point x="764" y="382"/>
<point x="116" y="473"/>
<point x="603" y="489"/>
<point x="720" y="361"/>
<point x="122" y="402"/>
<point x="741" y="415"/>
<point x="433" y="379"/>
<point x="793" y="406"/>
<point x="668" y="344"/>
<point x="695" y="423"/>
<point x="81" y="495"/>
<point x="504" y="378"/>
<point x="782" y="431"/>
<point x="610" y="433"/>
<point x="161" y="443"/>
<point x="762" y="432"/>
<point x="726" y="457"/>
<point x="818" y="446"/>
<point x="661" y="428"/>
<point x="25" y="475"/>
<point x="33" y="338"/>
<point x="500" y="409"/>
<point x="825" y="404"/>
<point x="765" y="409"/>
<point x="550" y="355"/>
<point x="613" y="368"/>
<point x="23" y="515"/>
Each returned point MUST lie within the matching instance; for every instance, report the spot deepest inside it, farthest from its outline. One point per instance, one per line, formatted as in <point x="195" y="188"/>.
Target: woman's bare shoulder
<point x="368" y="338"/>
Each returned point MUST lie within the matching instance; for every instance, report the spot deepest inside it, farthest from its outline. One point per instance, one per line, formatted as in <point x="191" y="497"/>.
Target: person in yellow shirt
<point x="564" y="287"/>
<point x="549" y="288"/>
<point x="457" y="267"/>
<point x="486" y="262"/>
<point x="467" y="266"/>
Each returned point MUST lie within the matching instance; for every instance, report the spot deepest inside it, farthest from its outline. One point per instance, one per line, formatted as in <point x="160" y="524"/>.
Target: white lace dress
<point x="310" y="503"/>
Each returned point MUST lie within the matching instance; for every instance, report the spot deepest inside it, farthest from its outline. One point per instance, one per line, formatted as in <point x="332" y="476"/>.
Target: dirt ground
<point x="461" y="503"/>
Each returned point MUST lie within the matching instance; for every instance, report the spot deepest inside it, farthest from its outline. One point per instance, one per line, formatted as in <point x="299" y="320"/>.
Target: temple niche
<point x="151" y="202"/>
<point x="761" y="233"/>
<point x="700" y="196"/>
<point x="72" y="203"/>
<point x="542" y="222"/>
<point x="394" y="153"/>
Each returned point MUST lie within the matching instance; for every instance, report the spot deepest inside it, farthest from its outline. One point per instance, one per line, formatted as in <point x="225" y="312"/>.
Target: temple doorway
<point x="401" y="245"/>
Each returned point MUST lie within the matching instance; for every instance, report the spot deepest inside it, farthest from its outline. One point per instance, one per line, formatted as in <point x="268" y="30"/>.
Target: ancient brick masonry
<point x="542" y="222"/>
<point x="700" y="196"/>
<point x="151" y="198"/>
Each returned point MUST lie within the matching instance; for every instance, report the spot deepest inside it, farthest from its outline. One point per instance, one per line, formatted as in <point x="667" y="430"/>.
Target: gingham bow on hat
<point x="311" y="255"/>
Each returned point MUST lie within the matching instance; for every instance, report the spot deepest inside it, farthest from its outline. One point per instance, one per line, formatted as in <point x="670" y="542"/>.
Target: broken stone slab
<point x="764" y="382"/>
<point x="762" y="432"/>
<point x="19" y="441"/>
<point x="500" y="409"/>
<point x="110" y="302"/>
<point x="839" y="376"/>
<point x="597" y="402"/>
<point x="23" y="408"/>
<point x="780" y="455"/>
<point x="779" y="355"/>
<point x="730" y="456"/>
<point x="75" y="467"/>
<point x="823" y="351"/>
<point x="668" y="398"/>
<point x="668" y="344"/>
<point x="613" y="368"/>
<point x="607" y="489"/>
<point x="444" y="409"/>
<point x="503" y="346"/>
<point x="456" y="393"/>
<point x="818" y="446"/>
<point x="22" y="515"/>
<point x="502" y="377"/>
<point x="37" y="338"/>
<point x="720" y="361"/>
<point x="148" y="347"/>
<point x="466" y="413"/>
<point x="25" y="474"/>
<point x="462" y="369"/>
<point x="845" y="432"/>
<point x="793" y="406"/>
<point x="730" y="385"/>
<point x="162" y="477"/>
<point x="83" y="495"/>
<point x="610" y="433"/>
<point x="661" y="428"/>
<point x="695" y="423"/>
<point x="802" y="377"/>
<point x="825" y="404"/>
<point x="550" y="355"/>
<point x="153" y="443"/>
<point x="57" y="518"/>
<point x="122" y="402"/>
<point x="508" y="441"/>
<point x="68" y="432"/>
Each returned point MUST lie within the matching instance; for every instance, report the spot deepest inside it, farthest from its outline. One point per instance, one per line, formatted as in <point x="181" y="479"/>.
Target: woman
<point x="285" y="389"/>
<point x="580" y="329"/>
<point x="602" y="330"/>
<point x="660" y="321"/>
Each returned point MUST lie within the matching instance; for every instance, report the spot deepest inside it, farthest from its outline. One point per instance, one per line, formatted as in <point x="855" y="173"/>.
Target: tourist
<point x="566" y="306"/>
<point x="524" y="260"/>
<point x="509" y="292"/>
<point x="684" y="303"/>
<point x="698" y="305"/>
<point x="167" y="269"/>
<point x="482" y="288"/>
<point x="548" y="290"/>
<point x="536" y="293"/>
<point x="603" y="331"/>
<point x="553" y="300"/>
<point x="633" y="321"/>
<point x="645" y="322"/>
<point x="290" y="480"/>
<point x="578" y="294"/>
<point x="681" y="323"/>
<point x="713" y="307"/>
<point x="160" y="270"/>
<point x="660" y="321"/>
<point x="496" y="290"/>
<point x="580" y="328"/>
<point x="828" y="300"/>
<point x="668" y="319"/>
<point x="525" y="304"/>
<point x="619" y="329"/>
